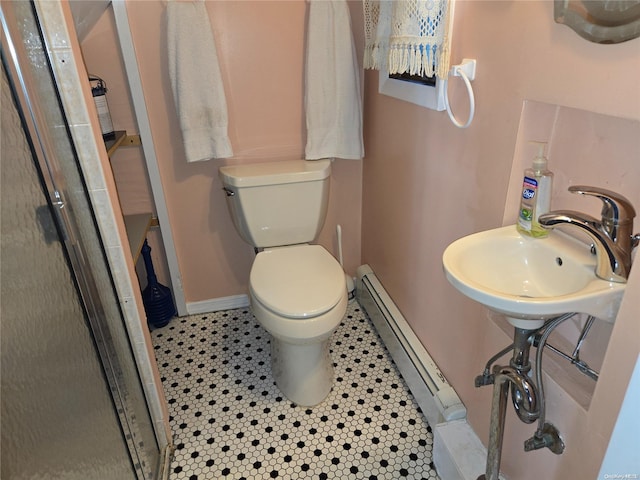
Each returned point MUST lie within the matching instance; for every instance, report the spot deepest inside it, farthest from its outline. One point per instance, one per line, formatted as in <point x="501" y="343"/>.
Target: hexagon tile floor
<point x="229" y="420"/>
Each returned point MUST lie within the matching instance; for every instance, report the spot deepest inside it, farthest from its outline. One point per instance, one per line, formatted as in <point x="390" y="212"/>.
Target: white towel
<point x="196" y="82"/>
<point x="332" y="96"/>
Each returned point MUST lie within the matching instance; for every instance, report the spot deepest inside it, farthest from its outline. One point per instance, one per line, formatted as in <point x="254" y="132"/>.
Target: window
<point x="424" y="91"/>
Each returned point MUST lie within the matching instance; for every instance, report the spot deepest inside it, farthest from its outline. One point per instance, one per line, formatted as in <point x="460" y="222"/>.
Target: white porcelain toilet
<point x="297" y="290"/>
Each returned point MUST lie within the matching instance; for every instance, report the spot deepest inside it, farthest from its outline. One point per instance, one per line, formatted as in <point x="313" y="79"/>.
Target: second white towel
<point x="196" y="82"/>
<point x="332" y="96"/>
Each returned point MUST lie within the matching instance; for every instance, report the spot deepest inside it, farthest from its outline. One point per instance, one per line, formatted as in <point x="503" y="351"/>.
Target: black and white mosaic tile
<point x="229" y="420"/>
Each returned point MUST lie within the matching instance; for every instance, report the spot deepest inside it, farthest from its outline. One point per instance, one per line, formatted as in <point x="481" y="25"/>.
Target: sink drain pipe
<point x="527" y="395"/>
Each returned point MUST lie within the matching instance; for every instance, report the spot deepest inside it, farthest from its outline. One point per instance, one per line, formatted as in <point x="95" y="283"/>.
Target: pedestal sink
<point x="530" y="279"/>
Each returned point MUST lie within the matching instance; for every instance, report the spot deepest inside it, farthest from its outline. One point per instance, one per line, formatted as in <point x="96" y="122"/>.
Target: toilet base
<point x="303" y="372"/>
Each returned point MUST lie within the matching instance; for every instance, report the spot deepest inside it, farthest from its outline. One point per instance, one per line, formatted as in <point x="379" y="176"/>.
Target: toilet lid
<point x="300" y="281"/>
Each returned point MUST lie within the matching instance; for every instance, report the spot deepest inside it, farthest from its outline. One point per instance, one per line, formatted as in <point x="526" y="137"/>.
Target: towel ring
<point x="467" y="71"/>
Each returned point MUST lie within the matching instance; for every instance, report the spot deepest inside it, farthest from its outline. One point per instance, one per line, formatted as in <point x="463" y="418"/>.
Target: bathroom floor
<point x="229" y="420"/>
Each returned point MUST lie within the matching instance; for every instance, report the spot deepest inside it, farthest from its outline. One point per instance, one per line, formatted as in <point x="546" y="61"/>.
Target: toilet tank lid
<point x="274" y="173"/>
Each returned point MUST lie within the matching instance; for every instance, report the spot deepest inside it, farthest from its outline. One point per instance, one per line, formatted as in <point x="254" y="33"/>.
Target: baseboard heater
<point x="435" y="396"/>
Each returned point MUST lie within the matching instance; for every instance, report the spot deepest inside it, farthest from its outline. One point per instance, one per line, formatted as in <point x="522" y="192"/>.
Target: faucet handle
<point x="616" y="209"/>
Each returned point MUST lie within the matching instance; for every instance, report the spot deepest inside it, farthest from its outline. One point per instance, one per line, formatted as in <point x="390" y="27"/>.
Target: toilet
<point x="297" y="290"/>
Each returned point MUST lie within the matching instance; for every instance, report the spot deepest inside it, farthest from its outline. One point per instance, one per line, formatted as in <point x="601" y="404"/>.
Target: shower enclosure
<point x="72" y="405"/>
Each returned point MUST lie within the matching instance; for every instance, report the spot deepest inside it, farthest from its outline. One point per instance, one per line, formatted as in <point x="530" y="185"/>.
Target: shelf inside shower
<point x="136" y="225"/>
<point x="121" y="139"/>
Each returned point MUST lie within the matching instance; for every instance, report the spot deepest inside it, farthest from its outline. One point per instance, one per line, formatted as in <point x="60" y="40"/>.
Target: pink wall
<point x="261" y="50"/>
<point x="427" y="183"/>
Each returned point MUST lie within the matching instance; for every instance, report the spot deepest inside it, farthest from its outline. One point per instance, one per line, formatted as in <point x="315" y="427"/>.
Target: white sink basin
<point x="530" y="279"/>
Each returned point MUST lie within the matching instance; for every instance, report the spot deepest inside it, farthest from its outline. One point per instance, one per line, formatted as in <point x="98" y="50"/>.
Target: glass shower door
<point x="58" y="419"/>
<point x="72" y="403"/>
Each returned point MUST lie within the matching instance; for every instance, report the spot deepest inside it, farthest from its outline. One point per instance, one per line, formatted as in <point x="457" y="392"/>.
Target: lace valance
<point x="407" y="36"/>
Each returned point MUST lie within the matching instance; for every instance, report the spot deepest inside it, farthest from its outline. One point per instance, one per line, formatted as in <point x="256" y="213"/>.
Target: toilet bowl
<point x="297" y="290"/>
<point x="298" y="294"/>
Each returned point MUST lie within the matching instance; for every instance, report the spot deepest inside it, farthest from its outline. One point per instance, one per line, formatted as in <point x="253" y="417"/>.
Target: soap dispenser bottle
<point x="536" y="195"/>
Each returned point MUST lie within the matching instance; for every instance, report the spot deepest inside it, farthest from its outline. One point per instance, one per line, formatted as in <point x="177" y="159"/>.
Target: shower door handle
<point x="53" y="229"/>
<point x="46" y="224"/>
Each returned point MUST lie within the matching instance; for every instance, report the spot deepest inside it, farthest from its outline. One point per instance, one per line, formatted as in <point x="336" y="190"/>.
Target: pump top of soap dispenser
<point x="539" y="161"/>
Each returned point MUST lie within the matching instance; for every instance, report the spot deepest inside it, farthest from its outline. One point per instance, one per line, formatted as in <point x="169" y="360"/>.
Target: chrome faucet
<point x="612" y="236"/>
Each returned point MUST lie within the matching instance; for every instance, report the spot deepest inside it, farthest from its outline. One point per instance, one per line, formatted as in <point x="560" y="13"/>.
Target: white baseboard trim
<point x="218" y="304"/>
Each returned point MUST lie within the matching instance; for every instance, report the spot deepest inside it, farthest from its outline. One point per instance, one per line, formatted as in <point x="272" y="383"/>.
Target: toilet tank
<point x="278" y="203"/>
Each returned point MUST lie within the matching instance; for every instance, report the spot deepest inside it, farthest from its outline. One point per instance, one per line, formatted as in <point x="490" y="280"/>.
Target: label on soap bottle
<point x="527" y="203"/>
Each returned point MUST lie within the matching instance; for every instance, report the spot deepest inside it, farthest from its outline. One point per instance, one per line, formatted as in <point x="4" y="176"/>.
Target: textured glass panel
<point x="95" y="447"/>
<point x="90" y="265"/>
<point x="58" y="419"/>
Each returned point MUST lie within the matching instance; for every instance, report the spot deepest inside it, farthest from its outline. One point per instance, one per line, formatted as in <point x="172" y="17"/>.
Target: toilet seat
<point x="297" y="282"/>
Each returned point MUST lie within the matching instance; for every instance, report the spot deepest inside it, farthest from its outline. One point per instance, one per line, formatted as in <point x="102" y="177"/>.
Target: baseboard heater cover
<point x="435" y="396"/>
